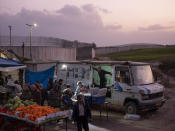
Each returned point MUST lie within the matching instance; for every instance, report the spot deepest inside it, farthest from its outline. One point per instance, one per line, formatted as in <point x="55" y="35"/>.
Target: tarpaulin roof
<point x="9" y="63"/>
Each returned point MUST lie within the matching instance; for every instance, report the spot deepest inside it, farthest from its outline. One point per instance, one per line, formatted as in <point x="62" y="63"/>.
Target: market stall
<point x="17" y="114"/>
<point x="10" y="67"/>
<point x="26" y="114"/>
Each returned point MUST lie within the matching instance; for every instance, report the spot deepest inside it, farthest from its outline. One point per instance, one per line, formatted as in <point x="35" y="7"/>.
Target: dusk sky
<point x="105" y="22"/>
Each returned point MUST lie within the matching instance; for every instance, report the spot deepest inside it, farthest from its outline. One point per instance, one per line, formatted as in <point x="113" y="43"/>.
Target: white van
<point x="131" y="85"/>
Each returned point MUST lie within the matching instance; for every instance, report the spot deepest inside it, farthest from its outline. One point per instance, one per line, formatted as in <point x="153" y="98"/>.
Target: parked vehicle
<point x="131" y="85"/>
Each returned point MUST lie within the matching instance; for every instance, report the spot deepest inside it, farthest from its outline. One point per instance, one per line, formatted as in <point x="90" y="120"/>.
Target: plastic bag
<point x="132" y="117"/>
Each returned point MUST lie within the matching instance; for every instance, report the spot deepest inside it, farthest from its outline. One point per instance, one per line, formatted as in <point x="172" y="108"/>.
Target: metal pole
<point x="10" y="28"/>
<point x="31" y="43"/>
<point x="23" y="49"/>
<point x="31" y="26"/>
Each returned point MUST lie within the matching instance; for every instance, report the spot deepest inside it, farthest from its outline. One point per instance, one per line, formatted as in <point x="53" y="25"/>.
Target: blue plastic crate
<point x="98" y="100"/>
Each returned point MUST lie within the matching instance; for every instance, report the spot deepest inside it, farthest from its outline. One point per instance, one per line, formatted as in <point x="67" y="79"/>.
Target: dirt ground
<point x="162" y="120"/>
<point x="114" y="123"/>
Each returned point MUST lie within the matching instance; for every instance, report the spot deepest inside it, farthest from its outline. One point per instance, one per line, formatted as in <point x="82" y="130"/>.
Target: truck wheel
<point x="130" y="108"/>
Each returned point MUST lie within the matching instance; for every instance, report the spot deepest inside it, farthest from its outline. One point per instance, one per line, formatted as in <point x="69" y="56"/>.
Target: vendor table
<point x="33" y="123"/>
<point x="106" y="108"/>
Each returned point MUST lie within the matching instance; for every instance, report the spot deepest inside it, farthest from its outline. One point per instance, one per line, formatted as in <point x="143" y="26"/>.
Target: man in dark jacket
<point x="26" y="93"/>
<point x="102" y="74"/>
<point x="1" y="80"/>
<point x="36" y="95"/>
<point x="45" y="91"/>
<point x="81" y="113"/>
<point x="54" y="96"/>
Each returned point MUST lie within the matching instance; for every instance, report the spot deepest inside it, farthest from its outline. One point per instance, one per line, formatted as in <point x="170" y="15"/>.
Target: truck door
<point x="121" y="84"/>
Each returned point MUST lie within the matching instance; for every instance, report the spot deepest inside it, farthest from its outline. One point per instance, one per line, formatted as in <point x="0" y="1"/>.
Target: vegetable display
<point x="16" y="102"/>
<point x="33" y="112"/>
<point x="29" y="110"/>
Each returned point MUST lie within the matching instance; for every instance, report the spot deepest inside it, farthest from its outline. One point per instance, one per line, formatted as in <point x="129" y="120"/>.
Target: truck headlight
<point x="144" y="96"/>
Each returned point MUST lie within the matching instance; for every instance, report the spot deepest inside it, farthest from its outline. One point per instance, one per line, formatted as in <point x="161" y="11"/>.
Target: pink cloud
<point x="155" y="28"/>
<point x="113" y="27"/>
<point x="69" y="10"/>
<point x="104" y="10"/>
<point x="82" y="24"/>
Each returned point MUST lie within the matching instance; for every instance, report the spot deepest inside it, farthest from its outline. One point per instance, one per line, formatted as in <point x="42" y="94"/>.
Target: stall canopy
<point x="7" y="65"/>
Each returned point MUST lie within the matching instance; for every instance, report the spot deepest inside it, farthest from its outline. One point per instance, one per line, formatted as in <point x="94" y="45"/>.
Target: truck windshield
<point x="142" y="75"/>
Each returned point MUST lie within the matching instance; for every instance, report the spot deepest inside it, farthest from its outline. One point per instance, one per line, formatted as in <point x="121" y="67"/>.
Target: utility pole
<point x="23" y="49"/>
<point x="10" y="28"/>
<point x="31" y="42"/>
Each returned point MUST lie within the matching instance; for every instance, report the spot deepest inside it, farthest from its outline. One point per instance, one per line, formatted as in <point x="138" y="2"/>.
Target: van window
<point x="122" y="76"/>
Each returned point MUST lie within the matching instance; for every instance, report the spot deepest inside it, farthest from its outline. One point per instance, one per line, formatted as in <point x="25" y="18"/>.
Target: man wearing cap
<point x="81" y="113"/>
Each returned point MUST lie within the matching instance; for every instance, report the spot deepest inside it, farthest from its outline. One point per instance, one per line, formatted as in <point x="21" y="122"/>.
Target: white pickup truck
<point x="131" y="85"/>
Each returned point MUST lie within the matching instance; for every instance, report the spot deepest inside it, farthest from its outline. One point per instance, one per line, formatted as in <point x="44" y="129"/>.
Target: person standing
<point x="79" y="86"/>
<point x="60" y="84"/>
<point x="60" y="89"/>
<point x="18" y="88"/>
<point x="81" y="113"/>
<point x="36" y="95"/>
<point x="54" y="96"/>
<point x="38" y="85"/>
<point x="26" y="93"/>
<point x="102" y="74"/>
<point x="66" y="98"/>
<point x="80" y="89"/>
<point x="45" y="91"/>
<point x="10" y="79"/>
<point x="1" y="80"/>
<point x="50" y="84"/>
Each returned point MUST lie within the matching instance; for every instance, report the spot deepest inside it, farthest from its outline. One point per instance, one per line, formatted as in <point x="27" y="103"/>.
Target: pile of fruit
<point x="16" y="102"/>
<point x="34" y="111"/>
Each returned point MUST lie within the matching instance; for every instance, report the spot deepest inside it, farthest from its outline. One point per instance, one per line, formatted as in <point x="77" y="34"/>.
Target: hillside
<point x="144" y="54"/>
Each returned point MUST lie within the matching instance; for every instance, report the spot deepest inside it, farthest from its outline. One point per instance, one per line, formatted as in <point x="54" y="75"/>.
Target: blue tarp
<point x="41" y="76"/>
<point x="8" y="62"/>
